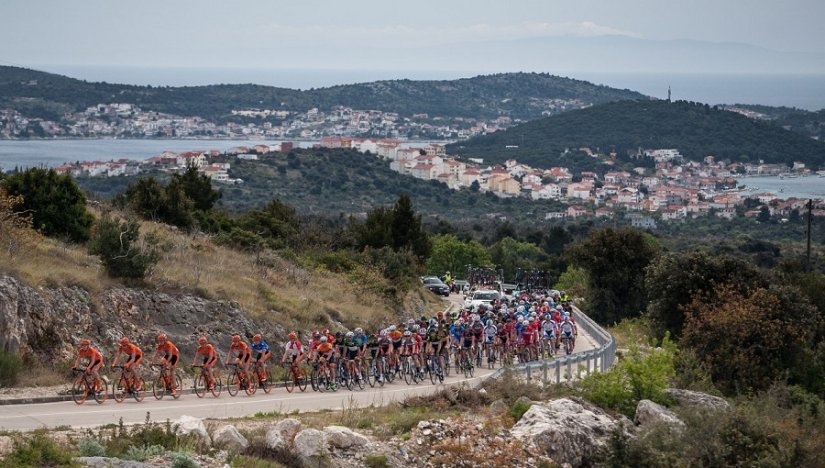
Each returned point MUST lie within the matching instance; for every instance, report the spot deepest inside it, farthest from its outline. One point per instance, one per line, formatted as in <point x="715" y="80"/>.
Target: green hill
<point x="519" y="95"/>
<point x="695" y="129"/>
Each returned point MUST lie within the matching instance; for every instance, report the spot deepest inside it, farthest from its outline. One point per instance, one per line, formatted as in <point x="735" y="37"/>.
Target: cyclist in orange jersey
<point x="242" y="353"/>
<point x="134" y="356"/>
<point x="210" y="358"/>
<point x="168" y="354"/>
<point x="94" y="359"/>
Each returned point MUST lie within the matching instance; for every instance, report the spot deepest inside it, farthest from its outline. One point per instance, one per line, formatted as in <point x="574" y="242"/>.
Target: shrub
<point x="90" y="447"/>
<point x="376" y="460"/>
<point x="636" y="377"/>
<point x="183" y="460"/>
<point x="116" y="244"/>
<point x="518" y="410"/>
<point x="36" y="451"/>
<point x="143" y="452"/>
<point x="10" y="367"/>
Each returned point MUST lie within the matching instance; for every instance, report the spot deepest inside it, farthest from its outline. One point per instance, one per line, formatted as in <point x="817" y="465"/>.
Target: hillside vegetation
<point x="697" y="130"/>
<point x="47" y="95"/>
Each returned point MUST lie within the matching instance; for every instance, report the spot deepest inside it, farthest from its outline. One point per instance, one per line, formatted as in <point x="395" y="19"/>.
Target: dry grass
<point x="267" y="288"/>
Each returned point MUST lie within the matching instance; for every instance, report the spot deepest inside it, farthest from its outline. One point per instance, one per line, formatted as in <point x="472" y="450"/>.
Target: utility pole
<point x="810" y="206"/>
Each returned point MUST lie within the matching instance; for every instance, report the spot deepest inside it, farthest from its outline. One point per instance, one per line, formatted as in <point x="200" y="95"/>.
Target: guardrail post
<point x="544" y="371"/>
<point x="558" y="372"/>
<point x="569" y="371"/>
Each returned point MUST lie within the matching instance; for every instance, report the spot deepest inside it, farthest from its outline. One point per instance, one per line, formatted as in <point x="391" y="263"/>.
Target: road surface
<point x="32" y="416"/>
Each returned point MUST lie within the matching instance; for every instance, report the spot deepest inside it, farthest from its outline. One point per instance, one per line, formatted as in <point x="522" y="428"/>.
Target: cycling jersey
<point x="92" y="355"/>
<point x="490" y="333"/>
<point x="131" y="350"/>
<point x="325" y="348"/>
<point x="567" y="327"/>
<point x="244" y="353"/>
<point x="260" y="347"/>
<point x="294" y="348"/>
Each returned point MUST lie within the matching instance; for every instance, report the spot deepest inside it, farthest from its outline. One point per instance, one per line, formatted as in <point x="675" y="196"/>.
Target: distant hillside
<point x="695" y="129"/>
<point x="808" y="123"/>
<point x="332" y="182"/>
<point x="46" y="95"/>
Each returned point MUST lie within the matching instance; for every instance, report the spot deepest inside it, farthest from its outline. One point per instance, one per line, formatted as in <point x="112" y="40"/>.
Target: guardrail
<point x="568" y="367"/>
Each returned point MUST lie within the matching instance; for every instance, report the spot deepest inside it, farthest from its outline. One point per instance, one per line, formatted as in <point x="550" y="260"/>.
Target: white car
<point x="481" y="297"/>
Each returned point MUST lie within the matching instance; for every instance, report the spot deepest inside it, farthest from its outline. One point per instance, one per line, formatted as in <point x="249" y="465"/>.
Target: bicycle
<point x="353" y="371"/>
<point x="294" y="377"/>
<point x="467" y="364"/>
<point x="127" y="385"/>
<point x="202" y="381"/>
<point x="84" y="386"/>
<point x="165" y="383"/>
<point x="234" y="382"/>
<point x="490" y="351"/>
<point x="435" y="369"/>
<point x="261" y="376"/>
<point x="321" y="378"/>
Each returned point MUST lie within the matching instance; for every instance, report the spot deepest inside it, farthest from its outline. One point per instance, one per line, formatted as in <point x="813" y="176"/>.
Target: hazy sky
<point x="366" y="33"/>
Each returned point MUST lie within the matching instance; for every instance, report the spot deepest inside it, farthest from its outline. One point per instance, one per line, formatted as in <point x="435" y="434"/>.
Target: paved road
<point x="33" y="416"/>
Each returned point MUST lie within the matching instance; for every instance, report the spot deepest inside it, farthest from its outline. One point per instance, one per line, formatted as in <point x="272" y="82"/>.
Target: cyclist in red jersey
<point x="210" y="358"/>
<point x="168" y="354"/>
<point x="134" y="356"/>
<point x="242" y="353"/>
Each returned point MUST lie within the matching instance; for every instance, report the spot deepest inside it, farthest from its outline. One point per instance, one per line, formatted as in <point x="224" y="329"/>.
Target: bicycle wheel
<point x="80" y="390"/>
<point x="217" y="384"/>
<point x="251" y="383"/>
<point x="289" y="380"/>
<point x="367" y="372"/>
<point x="178" y="382"/>
<point x="263" y="380"/>
<point x="302" y="380"/>
<point x="407" y="371"/>
<point x="378" y="371"/>
<point x="138" y="392"/>
<point x="358" y="376"/>
<point x="316" y="380"/>
<point x="101" y="396"/>
<point x="119" y="389"/>
<point x="345" y="376"/>
<point x="200" y="386"/>
<point x="159" y="387"/>
<point x="445" y="367"/>
<point x="233" y="383"/>
<point x="431" y="369"/>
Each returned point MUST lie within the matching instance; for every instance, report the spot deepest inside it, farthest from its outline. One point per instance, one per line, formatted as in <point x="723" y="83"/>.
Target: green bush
<point x="143" y="452"/>
<point x="36" y="451"/>
<point x="183" y="460"/>
<point x="376" y="460"/>
<point x="518" y="410"/>
<point x="115" y="243"/>
<point x="637" y="376"/>
<point x="90" y="447"/>
<point x="10" y="367"/>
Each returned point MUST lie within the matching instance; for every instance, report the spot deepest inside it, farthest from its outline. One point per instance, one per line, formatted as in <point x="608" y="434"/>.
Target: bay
<point x="799" y="187"/>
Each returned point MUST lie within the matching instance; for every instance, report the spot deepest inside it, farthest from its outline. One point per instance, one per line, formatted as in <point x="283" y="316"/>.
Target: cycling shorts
<point x="351" y="354"/>
<point x="172" y="360"/>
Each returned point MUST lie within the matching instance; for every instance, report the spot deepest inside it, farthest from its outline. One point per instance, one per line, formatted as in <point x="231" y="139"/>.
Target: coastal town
<point x="674" y="190"/>
<point x="122" y="120"/>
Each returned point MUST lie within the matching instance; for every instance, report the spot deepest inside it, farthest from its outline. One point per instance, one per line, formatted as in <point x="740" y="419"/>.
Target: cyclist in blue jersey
<point x="262" y="353"/>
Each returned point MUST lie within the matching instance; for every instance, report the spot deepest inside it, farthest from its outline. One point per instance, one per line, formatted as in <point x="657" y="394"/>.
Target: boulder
<point x="499" y="407"/>
<point x="649" y="413"/>
<point x="344" y="438"/>
<point x="229" y="438"/>
<point x="187" y="425"/>
<point x="311" y="446"/>
<point x="6" y="446"/>
<point x="697" y="400"/>
<point x="106" y="462"/>
<point x="564" y="430"/>
<point x="281" y="435"/>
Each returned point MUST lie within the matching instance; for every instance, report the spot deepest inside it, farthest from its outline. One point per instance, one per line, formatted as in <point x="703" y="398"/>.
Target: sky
<point x="478" y="35"/>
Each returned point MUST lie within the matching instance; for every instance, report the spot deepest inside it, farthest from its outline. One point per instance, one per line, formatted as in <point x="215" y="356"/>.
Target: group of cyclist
<point x="525" y="325"/>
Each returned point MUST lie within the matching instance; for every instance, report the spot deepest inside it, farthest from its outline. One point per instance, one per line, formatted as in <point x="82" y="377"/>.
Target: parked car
<point x="434" y="284"/>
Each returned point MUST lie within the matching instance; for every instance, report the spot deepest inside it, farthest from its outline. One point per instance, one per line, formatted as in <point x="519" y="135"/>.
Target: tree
<point x="277" y="223"/>
<point x="750" y="340"/>
<point x="673" y="280"/>
<point x="198" y="188"/>
<point x="406" y="229"/>
<point x="115" y="243"/>
<point x="451" y="254"/>
<point x="57" y="205"/>
<point x="146" y="197"/>
<point x="615" y="262"/>
<point x="764" y="215"/>
<point x="511" y="255"/>
<point x="15" y="224"/>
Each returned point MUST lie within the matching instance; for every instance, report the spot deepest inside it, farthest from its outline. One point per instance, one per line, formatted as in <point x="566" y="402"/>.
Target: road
<point x="33" y="416"/>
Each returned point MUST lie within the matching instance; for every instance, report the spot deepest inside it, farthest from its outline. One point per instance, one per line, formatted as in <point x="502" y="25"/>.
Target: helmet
<point x="315" y="334"/>
<point x="124" y="341"/>
<point x="525" y="323"/>
<point x="359" y="331"/>
<point x="202" y="340"/>
<point x="236" y="339"/>
<point x="256" y="338"/>
<point x="383" y="333"/>
<point x="410" y="322"/>
<point x="161" y="337"/>
<point x="407" y="333"/>
<point x="324" y="339"/>
<point x="85" y="342"/>
<point x="325" y="331"/>
<point x="392" y="328"/>
<point x="416" y="328"/>
<point x="433" y="321"/>
<point x="489" y="322"/>
<point x="292" y="336"/>
<point x="350" y="334"/>
<point x="558" y="307"/>
<point x="338" y="334"/>
<point x="423" y="318"/>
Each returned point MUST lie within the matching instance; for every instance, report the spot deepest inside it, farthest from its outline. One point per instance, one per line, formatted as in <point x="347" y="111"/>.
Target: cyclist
<point x="210" y="358"/>
<point x="326" y="351"/>
<point x="295" y="349"/>
<point x="395" y="335"/>
<point x="170" y="356"/>
<point x="568" y="330"/>
<point x="408" y="347"/>
<point x="90" y="354"/>
<point x="134" y="356"/>
<point x="242" y="353"/>
<point x="351" y="352"/>
<point x="490" y="333"/>
<point x="262" y="353"/>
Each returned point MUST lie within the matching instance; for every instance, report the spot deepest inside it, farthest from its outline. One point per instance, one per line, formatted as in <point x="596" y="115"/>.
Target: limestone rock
<point x="229" y="438"/>
<point x="564" y="430"/>
<point x="281" y="435"/>
<point x="343" y="437"/>
<point x="311" y="446"/>
<point x="649" y="413"/>
<point x="698" y="399"/>
<point x="498" y="407"/>
<point x="106" y="462"/>
<point x="187" y="425"/>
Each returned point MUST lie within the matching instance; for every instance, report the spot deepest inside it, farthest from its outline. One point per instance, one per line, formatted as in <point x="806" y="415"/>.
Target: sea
<point x="810" y="186"/>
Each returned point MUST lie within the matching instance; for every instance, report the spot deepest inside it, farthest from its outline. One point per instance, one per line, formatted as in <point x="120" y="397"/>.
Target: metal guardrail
<point x="568" y="367"/>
